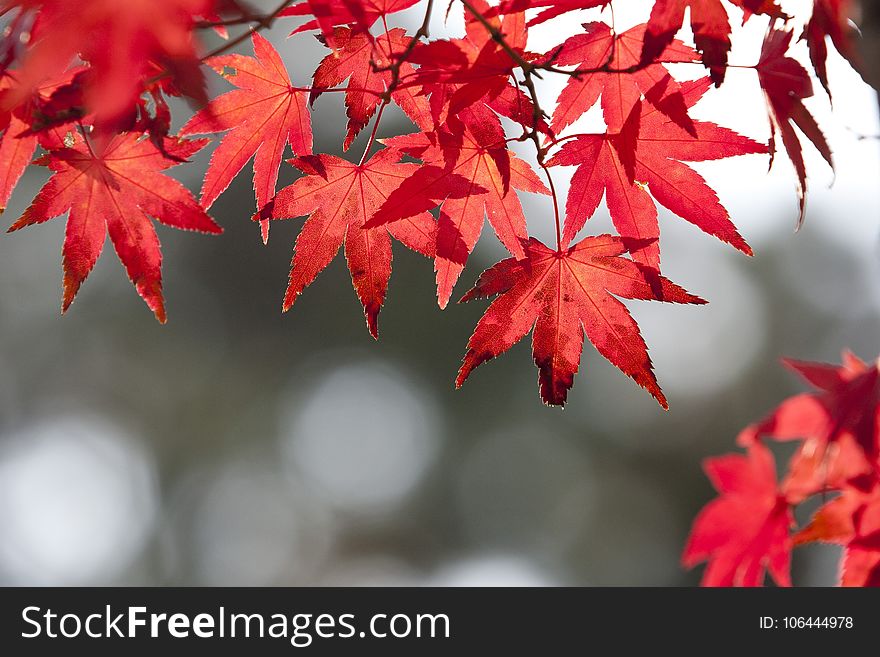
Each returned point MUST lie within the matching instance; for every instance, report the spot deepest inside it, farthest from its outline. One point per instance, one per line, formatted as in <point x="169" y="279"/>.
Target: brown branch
<point x="397" y="60"/>
<point x="231" y="22"/>
<point x="498" y="37"/>
<point x="324" y="90"/>
<point x="529" y="70"/>
<point x="263" y="23"/>
<point x="547" y="66"/>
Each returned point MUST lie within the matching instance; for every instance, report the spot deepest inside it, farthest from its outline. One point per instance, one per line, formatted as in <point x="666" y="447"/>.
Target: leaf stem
<point x="373" y="133"/>
<point x="86" y="139"/>
<point x="555" y="208"/>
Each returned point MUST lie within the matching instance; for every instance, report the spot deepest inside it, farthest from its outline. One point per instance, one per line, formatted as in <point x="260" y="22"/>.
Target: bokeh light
<point x="78" y="500"/>
<point x="363" y="433"/>
<point x="248" y="526"/>
<point x="491" y="570"/>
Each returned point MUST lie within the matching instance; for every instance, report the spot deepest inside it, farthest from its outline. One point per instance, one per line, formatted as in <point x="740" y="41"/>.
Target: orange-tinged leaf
<point x="621" y="87"/>
<point x="474" y="176"/>
<point x="364" y="61"/>
<point x="339" y="196"/>
<point x="851" y="520"/>
<point x="564" y="295"/>
<point x="117" y="193"/>
<point x="649" y="155"/>
<point x="262" y="116"/>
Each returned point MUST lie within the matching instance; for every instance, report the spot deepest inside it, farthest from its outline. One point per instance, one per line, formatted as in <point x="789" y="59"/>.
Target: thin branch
<point x="397" y="60"/>
<point x="547" y="65"/>
<point x="498" y="37"/>
<point x="325" y="90"/>
<point x="231" y="22"/>
<point x="529" y="71"/>
<point x="263" y="23"/>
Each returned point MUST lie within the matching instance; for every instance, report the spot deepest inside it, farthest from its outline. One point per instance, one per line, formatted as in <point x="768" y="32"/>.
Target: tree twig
<point x="397" y="60"/>
<point x="263" y="23"/>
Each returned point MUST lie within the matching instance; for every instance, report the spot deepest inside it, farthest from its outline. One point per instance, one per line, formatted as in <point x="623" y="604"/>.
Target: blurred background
<point x="240" y="446"/>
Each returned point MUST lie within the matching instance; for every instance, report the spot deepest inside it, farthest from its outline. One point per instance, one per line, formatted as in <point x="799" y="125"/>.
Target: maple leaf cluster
<point x="88" y="85"/>
<point x="750" y="529"/>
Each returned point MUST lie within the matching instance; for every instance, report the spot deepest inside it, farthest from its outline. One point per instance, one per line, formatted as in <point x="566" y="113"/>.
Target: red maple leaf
<point x="364" y="60"/>
<point x="745" y="531"/>
<point x="459" y="76"/>
<point x="117" y="192"/>
<point x="786" y="84"/>
<point x="512" y="101"/>
<point x="551" y="8"/>
<point x="648" y="155"/>
<point x="360" y="14"/>
<point x="121" y="41"/>
<point x="843" y="412"/>
<point x="474" y="176"/>
<point x="339" y="196"/>
<point x="622" y="86"/>
<point x="831" y="19"/>
<point x="17" y="148"/>
<point x="851" y="520"/>
<point x="263" y="115"/>
<point x="512" y="25"/>
<point x="19" y="140"/>
<point x="462" y="73"/>
<point x="564" y="294"/>
<point x="710" y="24"/>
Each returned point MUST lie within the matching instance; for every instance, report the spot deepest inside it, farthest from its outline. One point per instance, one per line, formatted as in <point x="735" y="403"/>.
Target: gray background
<point x="238" y="446"/>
